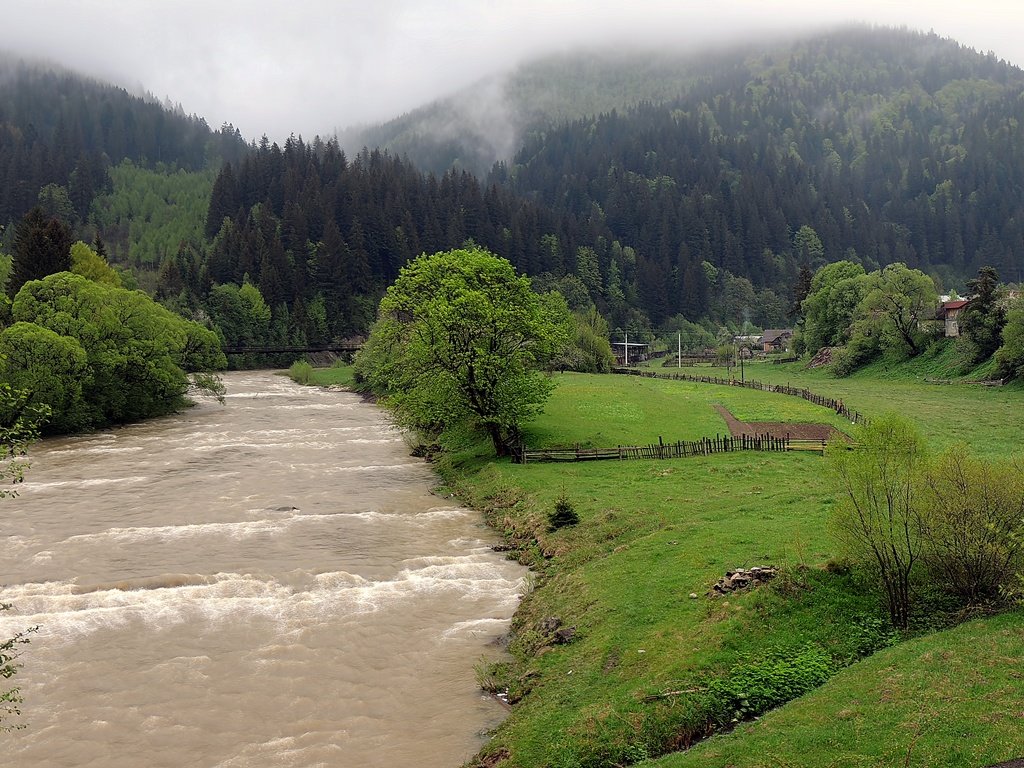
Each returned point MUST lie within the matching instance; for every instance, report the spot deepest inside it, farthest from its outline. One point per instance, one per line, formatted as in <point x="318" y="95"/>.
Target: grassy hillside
<point x="653" y="663"/>
<point x="951" y="699"/>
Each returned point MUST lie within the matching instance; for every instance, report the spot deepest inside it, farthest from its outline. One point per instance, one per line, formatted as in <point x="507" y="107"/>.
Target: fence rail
<point x="662" y="450"/>
<point x="831" y="403"/>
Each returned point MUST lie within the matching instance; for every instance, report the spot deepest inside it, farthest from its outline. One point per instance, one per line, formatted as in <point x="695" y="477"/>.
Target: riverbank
<point x="623" y="651"/>
<point x="622" y="654"/>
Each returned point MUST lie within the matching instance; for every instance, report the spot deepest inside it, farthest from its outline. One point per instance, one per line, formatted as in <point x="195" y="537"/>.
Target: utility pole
<point x="679" y="351"/>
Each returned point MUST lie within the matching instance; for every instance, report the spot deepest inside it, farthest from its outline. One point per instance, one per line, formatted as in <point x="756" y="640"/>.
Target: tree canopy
<point x="97" y="354"/>
<point x="461" y="339"/>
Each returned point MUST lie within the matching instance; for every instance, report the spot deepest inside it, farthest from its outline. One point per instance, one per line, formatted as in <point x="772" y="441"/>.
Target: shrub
<point x="973" y="521"/>
<point x="300" y="372"/>
<point x="877" y="517"/>
<point x="563" y="514"/>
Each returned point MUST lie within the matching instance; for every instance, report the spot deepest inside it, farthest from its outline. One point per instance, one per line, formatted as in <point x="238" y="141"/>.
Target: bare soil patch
<point x="793" y="430"/>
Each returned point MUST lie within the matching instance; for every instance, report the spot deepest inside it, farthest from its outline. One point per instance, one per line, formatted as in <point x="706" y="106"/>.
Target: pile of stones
<point x="742" y="578"/>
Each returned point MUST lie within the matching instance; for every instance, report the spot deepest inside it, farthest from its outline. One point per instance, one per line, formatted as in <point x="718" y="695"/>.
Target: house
<point x="949" y="312"/>
<point x="776" y="339"/>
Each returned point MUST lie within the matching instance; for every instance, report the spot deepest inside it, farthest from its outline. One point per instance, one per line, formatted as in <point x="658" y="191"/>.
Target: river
<point x="267" y="582"/>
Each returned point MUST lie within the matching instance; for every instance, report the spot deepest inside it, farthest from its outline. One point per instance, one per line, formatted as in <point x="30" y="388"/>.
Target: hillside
<point x="642" y="668"/>
<point x="487" y="122"/>
<point x="703" y="200"/>
<point x="62" y="129"/>
<point x="724" y="173"/>
<point x="874" y="146"/>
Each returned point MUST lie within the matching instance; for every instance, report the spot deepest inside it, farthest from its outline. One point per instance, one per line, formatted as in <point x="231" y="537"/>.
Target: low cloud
<point x="310" y="65"/>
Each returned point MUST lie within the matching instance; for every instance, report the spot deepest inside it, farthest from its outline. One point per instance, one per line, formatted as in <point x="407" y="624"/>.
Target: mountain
<point x="657" y="187"/>
<point x="486" y="122"/>
<point x="59" y="128"/>
<point x="870" y="145"/>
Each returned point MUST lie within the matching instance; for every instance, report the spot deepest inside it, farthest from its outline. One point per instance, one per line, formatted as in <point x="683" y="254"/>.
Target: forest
<point x="670" y="194"/>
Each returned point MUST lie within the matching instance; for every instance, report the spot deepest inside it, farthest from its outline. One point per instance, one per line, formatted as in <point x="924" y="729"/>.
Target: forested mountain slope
<point x="322" y="236"/>
<point x="705" y="199"/>
<point x="487" y="121"/>
<point x="876" y="146"/>
<point x="59" y="128"/>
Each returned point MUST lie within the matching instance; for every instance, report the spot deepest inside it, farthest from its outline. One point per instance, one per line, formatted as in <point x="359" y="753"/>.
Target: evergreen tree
<point x="42" y="247"/>
<point x="982" y="320"/>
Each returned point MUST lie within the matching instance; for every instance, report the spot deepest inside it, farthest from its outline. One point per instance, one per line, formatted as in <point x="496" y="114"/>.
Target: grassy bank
<point x="338" y="375"/>
<point x="616" y="662"/>
<point x="950" y="699"/>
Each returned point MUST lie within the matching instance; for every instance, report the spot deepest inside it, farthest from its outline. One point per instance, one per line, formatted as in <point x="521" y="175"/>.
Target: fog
<point x="309" y="66"/>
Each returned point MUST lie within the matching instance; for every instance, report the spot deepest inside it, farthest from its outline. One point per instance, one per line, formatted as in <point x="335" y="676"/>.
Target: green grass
<point x="653" y="533"/>
<point x="951" y="699"/>
<point x="989" y="419"/>
<point x="338" y="375"/>
<point x="604" y="411"/>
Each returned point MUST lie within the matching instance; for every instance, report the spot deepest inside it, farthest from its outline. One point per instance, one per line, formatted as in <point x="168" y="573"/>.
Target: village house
<point x="949" y="313"/>
<point x="776" y="339"/>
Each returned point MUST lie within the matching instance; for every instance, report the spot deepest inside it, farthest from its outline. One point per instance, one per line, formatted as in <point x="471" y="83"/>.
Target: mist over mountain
<point x="487" y="122"/>
<point x="654" y="187"/>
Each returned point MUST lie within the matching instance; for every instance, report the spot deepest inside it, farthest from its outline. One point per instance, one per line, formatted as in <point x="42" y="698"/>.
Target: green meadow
<point x="654" y="665"/>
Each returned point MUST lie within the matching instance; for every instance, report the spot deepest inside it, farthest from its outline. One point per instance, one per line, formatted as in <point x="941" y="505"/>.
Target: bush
<point x="973" y="524"/>
<point x="756" y="686"/>
<point x="877" y="516"/>
<point x="563" y="514"/>
<point x="300" y="372"/>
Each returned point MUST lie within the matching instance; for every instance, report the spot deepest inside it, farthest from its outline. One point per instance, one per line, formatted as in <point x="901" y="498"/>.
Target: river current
<point x="267" y="582"/>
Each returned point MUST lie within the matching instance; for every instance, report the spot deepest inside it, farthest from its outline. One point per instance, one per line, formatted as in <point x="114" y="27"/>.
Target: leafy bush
<point x="755" y="686"/>
<point x="973" y="521"/>
<point x="877" y="516"/>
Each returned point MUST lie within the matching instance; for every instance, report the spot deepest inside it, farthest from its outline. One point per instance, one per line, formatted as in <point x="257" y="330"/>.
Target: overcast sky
<point x="308" y="66"/>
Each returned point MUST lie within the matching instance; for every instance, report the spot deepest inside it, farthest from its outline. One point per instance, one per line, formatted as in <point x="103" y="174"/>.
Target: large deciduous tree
<point x="897" y="305"/>
<point x="461" y="338"/>
<point x="832" y="298"/>
<point x="137" y="354"/>
<point x="1010" y="356"/>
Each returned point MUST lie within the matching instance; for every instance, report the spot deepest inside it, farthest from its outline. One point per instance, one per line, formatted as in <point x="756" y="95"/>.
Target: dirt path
<point x="776" y="428"/>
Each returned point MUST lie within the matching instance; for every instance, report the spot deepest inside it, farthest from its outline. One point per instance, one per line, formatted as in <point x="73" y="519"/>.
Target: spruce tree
<point x="42" y="246"/>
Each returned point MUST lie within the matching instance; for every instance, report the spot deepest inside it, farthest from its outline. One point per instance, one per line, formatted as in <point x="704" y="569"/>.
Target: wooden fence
<point x="826" y="402"/>
<point x="662" y="450"/>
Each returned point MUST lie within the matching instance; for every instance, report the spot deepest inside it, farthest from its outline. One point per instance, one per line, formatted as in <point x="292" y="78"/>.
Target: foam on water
<point x="66" y="610"/>
<point x="265" y="582"/>
<point x="92" y="482"/>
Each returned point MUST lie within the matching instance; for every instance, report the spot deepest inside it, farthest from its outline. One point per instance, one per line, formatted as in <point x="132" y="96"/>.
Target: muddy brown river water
<point x="267" y="582"/>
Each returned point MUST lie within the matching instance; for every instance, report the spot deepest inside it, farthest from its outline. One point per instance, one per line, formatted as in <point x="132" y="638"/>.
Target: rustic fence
<point x="784" y="389"/>
<point x="662" y="450"/>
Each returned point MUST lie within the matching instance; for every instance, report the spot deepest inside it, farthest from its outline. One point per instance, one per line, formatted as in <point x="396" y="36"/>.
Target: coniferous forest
<point x="866" y="145"/>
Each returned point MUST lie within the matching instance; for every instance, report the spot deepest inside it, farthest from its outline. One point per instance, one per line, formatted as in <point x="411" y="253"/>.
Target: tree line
<point x="891" y="313"/>
<point x="59" y="128"/>
<point x="83" y="348"/>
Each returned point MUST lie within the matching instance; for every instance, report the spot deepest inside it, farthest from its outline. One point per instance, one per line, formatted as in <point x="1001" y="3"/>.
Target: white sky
<point x="308" y="66"/>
